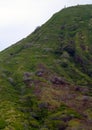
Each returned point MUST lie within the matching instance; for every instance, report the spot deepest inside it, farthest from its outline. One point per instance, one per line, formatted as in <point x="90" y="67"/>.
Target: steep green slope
<point x="46" y="78"/>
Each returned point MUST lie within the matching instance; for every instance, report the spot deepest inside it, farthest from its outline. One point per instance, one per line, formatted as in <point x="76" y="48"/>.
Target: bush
<point x="56" y="125"/>
<point x="70" y="49"/>
<point x="2" y="124"/>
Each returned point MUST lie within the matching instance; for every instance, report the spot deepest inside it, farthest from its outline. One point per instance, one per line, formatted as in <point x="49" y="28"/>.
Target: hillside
<point x="46" y="78"/>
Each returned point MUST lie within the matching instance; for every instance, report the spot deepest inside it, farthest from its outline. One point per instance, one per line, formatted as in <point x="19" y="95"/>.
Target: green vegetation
<point x="46" y="78"/>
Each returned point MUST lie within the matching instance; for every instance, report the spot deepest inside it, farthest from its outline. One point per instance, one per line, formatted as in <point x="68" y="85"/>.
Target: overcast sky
<point x="18" y="18"/>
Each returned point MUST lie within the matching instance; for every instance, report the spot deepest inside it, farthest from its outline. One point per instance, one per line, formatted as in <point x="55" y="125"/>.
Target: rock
<point x="83" y="90"/>
<point x="11" y="80"/>
<point x="43" y="105"/>
<point x="66" y="118"/>
<point x="85" y="98"/>
<point x="40" y="73"/>
<point x="28" y="45"/>
<point x="27" y="74"/>
<point x="27" y="78"/>
<point x="48" y="49"/>
<point x="77" y="88"/>
<point x="57" y="80"/>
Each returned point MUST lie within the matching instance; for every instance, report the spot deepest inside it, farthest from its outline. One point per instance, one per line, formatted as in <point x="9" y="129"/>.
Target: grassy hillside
<point x="46" y="78"/>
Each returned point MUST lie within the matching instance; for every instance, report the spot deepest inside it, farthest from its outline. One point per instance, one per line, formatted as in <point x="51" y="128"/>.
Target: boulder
<point x="57" y="80"/>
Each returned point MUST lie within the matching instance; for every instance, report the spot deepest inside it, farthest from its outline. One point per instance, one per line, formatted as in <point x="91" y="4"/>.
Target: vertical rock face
<point x="46" y="78"/>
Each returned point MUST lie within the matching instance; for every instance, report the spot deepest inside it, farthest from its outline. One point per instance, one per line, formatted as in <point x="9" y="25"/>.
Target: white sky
<point x="18" y="18"/>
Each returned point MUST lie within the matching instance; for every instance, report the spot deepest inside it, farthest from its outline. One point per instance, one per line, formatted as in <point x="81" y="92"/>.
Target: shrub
<point x="2" y="124"/>
<point x="70" y="49"/>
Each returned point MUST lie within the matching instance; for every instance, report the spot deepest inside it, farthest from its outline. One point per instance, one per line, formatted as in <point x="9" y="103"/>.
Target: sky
<point x="19" y="18"/>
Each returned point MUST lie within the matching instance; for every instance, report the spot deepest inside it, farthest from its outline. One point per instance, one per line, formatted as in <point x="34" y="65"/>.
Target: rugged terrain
<point x="46" y="78"/>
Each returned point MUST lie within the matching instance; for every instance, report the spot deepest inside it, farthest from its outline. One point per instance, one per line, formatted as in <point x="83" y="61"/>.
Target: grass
<point x="59" y="48"/>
